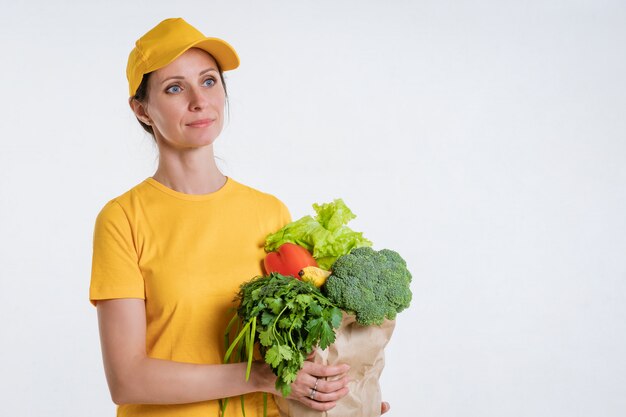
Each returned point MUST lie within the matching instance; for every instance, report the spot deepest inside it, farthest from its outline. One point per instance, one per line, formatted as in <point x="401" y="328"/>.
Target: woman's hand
<point x="311" y="387"/>
<point x="320" y="387"/>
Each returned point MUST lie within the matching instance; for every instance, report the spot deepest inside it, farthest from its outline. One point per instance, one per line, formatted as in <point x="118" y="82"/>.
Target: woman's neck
<point x="189" y="171"/>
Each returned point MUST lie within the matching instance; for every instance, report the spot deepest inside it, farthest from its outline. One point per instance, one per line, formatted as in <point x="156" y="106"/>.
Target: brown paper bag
<point x="361" y="347"/>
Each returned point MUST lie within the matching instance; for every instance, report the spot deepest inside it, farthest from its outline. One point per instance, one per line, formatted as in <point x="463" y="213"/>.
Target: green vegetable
<point x="325" y="236"/>
<point x="289" y="318"/>
<point x="372" y="285"/>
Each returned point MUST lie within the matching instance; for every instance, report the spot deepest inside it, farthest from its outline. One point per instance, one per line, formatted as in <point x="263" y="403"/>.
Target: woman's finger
<point x="331" y="386"/>
<point x="323" y="397"/>
<point x="324" y="371"/>
<point x="317" y="405"/>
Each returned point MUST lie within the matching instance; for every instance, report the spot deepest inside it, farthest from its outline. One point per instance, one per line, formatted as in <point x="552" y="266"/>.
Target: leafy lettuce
<point x="326" y="235"/>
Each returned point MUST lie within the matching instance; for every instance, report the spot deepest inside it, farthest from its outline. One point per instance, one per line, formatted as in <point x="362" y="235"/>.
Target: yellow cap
<point x="167" y="41"/>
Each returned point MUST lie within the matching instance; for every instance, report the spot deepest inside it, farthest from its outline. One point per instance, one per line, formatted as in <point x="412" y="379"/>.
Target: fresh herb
<point x="288" y="318"/>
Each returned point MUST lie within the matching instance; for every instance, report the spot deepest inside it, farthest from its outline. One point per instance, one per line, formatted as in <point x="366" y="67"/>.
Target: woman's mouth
<point x="201" y="123"/>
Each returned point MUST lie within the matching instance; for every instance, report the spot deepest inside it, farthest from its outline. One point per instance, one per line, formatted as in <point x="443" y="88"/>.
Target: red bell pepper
<point x="289" y="259"/>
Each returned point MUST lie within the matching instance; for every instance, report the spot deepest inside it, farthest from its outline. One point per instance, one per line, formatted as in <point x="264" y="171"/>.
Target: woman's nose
<point x="197" y="100"/>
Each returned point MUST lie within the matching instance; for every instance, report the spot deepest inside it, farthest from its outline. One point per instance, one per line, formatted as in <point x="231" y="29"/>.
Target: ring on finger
<point x="312" y="394"/>
<point x="315" y="386"/>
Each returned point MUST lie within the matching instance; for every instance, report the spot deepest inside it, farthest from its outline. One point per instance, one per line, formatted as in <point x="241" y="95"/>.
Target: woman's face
<point x="185" y="101"/>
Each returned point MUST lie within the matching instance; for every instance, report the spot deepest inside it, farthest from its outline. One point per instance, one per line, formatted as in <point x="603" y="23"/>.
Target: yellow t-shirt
<point x="186" y="256"/>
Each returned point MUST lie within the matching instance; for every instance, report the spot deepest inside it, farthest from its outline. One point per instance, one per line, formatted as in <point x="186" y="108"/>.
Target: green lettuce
<point x="326" y="235"/>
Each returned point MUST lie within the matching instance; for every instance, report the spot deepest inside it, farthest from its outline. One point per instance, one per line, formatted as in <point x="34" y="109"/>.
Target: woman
<point x="170" y="253"/>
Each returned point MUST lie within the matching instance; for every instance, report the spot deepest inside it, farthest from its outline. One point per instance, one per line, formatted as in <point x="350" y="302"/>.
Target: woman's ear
<point x="139" y="109"/>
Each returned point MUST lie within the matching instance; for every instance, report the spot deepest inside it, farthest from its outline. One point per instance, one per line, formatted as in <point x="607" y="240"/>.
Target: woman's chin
<point x="187" y="143"/>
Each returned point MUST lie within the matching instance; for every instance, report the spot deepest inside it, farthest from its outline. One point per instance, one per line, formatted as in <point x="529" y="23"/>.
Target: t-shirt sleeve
<point x="115" y="269"/>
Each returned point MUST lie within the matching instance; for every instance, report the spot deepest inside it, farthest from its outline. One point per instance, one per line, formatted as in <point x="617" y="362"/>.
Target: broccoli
<point x="372" y="285"/>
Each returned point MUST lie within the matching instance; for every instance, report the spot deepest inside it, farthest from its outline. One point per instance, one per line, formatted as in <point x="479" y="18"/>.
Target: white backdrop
<point x="484" y="140"/>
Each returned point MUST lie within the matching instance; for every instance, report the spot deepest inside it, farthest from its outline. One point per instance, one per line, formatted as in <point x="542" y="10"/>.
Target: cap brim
<point x="223" y="53"/>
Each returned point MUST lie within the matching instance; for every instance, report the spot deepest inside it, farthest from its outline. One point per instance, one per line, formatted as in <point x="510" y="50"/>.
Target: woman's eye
<point x="208" y="82"/>
<point x="174" y="89"/>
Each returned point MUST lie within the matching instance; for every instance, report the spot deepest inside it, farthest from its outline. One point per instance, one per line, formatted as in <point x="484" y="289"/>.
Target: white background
<point x="485" y="141"/>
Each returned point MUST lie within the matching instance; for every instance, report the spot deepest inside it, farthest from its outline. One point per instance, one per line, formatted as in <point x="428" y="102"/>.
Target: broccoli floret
<point x="373" y="285"/>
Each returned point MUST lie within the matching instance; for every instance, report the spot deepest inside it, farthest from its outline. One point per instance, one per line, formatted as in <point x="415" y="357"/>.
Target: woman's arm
<point x="134" y="378"/>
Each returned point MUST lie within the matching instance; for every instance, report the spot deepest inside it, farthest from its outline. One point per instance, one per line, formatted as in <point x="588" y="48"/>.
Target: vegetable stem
<point x="235" y="342"/>
<point x="251" y="348"/>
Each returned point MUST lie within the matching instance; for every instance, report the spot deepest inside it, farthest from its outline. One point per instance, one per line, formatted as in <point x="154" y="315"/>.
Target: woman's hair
<point x="142" y="94"/>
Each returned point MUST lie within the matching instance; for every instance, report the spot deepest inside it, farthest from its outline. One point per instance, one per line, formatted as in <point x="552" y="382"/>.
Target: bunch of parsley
<point x="288" y="318"/>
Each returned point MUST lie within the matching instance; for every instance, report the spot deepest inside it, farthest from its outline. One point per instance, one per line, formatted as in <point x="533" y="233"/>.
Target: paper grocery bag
<point x="361" y="347"/>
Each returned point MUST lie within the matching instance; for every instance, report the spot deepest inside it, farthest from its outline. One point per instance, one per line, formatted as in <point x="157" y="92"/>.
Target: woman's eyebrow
<point x="207" y="70"/>
<point x="173" y="77"/>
